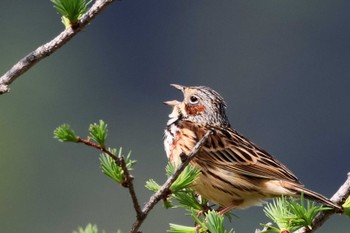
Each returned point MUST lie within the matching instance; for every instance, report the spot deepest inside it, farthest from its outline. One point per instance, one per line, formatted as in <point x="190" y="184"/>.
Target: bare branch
<point x="47" y="49"/>
<point x="339" y="198"/>
<point x="164" y="191"/>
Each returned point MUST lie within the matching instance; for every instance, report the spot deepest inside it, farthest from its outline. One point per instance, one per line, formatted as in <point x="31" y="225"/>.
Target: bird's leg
<point x="224" y="210"/>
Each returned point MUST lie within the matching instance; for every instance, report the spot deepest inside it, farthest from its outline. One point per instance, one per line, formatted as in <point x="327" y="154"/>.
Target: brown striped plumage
<point x="235" y="173"/>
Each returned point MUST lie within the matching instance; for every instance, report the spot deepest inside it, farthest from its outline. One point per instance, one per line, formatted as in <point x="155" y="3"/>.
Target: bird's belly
<point x="228" y="194"/>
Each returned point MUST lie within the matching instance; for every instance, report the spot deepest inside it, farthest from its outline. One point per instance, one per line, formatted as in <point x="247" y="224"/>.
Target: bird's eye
<point x="194" y="99"/>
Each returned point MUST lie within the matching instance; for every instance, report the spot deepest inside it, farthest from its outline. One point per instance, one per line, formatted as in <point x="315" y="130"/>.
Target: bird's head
<point x="201" y="105"/>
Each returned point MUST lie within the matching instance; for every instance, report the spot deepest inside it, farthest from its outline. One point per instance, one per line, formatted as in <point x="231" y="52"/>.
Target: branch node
<point x="4" y="89"/>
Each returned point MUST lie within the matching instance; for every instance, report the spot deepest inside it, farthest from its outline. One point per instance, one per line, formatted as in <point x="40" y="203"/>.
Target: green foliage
<point x="64" y="133"/>
<point x="111" y="159"/>
<point x="88" y="229"/>
<point x="174" y="228"/>
<point x="111" y="169"/>
<point x="305" y="212"/>
<point x="71" y="10"/>
<point x="186" y="198"/>
<point x="346" y="207"/>
<point x="152" y="185"/>
<point x="291" y="215"/>
<point x="99" y="132"/>
<point x="212" y="222"/>
<point x="215" y="222"/>
<point x="180" y="188"/>
<point x="278" y="212"/>
<point x="185" y="179"/>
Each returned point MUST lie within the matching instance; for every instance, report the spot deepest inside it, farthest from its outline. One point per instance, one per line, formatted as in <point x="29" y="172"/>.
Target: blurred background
<point x="282" y="67"/>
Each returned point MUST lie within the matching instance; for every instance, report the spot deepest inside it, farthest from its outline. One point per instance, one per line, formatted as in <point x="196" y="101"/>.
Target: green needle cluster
<point x="88" y="229"/>
<point x="346" y="207"/>
<point x="71" y="10"/>
<point x="99" y="132"/>
<point x="111" y="169"/>
<point x="211" y="221"/>
<point x="182" y="196"/>
<point x="65" y="133"/>
<point x="290" y="215"/>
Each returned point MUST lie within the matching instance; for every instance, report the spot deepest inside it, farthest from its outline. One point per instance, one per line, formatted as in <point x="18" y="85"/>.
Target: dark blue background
<point x="282" y="66"/>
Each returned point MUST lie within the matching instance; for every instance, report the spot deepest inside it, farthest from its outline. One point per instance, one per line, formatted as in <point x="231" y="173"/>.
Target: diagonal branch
<point x="47" y="49"/>
<point x="339" y="197"/>
<point x="164" y="191"/>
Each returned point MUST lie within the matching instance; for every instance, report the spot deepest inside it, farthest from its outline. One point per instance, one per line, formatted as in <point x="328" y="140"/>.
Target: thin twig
<point x="47" y="49"/>
<point x="164" y="191"/>
<point x="128" y="182"/>
<point x="339" y="198"/>
<point x="98" y="147"/>
<point x="130" y="186"/>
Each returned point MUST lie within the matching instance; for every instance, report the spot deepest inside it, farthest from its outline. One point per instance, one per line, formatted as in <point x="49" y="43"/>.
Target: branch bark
<point x="47" y="49"/>
<point x="162" y="193"/>
<point x="165" y="189"/>
<point x="129" y="179"/>
<point x="339" y="198"/>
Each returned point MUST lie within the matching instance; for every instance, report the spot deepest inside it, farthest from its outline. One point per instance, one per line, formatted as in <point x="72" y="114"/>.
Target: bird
<point x="235" y="173"/>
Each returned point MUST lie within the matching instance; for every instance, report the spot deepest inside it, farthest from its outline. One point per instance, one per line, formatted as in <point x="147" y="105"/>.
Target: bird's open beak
<point x="172" y="103"/>
<point x="179" y="87"/>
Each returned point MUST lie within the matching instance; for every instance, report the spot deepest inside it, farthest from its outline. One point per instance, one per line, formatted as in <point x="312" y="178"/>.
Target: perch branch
<point x="339" y="197"/>
<point x="164" y="191"/>
<point x="47" y="49"/>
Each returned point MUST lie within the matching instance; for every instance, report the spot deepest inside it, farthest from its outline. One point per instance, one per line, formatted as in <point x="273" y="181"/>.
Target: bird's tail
<point x="311" y="195"/>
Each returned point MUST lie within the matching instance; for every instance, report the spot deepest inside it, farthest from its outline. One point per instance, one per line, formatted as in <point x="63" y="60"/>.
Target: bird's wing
<point x="230" y="151"/>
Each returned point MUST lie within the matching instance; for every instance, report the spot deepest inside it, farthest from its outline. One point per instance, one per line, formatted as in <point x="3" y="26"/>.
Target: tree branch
<point x="47" y="49"/>
<point x="164" y="191"/>
<point x="129" y="179"/>
<point x="339" y="198"/>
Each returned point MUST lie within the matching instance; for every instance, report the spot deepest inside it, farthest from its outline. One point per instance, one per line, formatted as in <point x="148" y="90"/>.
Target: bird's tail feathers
<point x="311" y="195"/>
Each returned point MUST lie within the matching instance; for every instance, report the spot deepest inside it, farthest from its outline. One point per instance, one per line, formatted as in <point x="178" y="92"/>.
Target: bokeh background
<point x="282" y="66"/>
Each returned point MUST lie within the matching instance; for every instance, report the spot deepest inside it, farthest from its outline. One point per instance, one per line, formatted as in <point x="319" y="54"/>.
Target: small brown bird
<point x="235" y="173"/>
